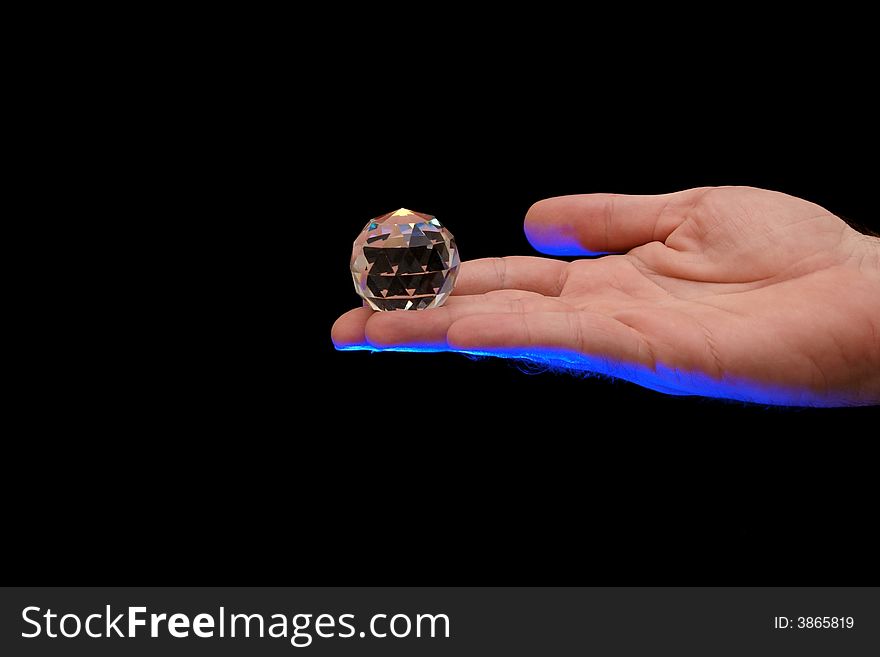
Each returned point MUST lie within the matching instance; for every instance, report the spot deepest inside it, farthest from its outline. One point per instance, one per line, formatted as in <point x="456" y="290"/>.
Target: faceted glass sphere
<point x="404" y="260"/>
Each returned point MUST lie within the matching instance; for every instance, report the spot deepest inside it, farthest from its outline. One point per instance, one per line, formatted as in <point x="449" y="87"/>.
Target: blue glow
<point x="664" y="379"/>
<point x="427" y="348"/>
<point x="557" y="240"/>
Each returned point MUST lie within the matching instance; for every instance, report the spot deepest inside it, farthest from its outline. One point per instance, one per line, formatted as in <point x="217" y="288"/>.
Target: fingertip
<point x="549" y="229"/>
<point x="459" y="337"/>
<point x="379" y="331"/>
<point x="413" y="330"/>
<point x="478" y="332"/>
<point x="348" y="331"/>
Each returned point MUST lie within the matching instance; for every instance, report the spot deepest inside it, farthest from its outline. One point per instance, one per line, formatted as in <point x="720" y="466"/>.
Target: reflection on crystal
<point x="404" y="260"/>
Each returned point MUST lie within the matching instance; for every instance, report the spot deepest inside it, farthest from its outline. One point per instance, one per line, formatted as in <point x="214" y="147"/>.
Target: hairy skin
<point x="730" y="292"/>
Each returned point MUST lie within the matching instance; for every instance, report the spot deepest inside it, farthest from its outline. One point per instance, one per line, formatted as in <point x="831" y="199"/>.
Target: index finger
<point x="530" y="273"/>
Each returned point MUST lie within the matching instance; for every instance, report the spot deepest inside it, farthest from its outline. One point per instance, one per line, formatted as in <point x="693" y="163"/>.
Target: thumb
<point x="592" y="224"/>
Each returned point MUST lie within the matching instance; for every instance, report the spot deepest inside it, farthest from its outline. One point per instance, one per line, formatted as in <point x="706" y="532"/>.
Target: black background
<point x="189" y="420"/>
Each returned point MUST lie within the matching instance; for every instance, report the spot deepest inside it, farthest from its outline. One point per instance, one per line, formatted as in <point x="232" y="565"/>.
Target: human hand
<point x="730" y="292"/>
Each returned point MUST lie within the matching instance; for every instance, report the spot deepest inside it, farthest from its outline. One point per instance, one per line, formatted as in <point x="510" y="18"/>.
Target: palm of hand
<point x="729" y="292"/>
